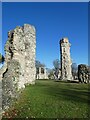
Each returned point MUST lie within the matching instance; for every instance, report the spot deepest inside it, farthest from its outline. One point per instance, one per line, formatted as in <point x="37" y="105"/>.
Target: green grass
<point x="50" y="99"/>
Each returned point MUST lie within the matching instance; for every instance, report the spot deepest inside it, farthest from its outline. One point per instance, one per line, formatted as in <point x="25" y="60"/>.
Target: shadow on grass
<point x="67" y="90"/>
<point x="71" y="94"/>
<point x="67" y="81"/>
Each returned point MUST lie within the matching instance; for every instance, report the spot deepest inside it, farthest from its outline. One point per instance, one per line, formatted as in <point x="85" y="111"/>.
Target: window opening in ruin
<point x="64" y="49"/>
<point x="37" y="70"/>
<point x="64" y="57"/>
<point x="42" y="70"/>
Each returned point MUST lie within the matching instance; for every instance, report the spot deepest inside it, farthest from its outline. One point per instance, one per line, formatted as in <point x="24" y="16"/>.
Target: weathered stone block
<point x="84" y="73"/>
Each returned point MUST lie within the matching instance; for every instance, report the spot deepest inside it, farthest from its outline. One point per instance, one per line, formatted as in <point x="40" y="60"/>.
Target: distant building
<point x="41" y="73"/>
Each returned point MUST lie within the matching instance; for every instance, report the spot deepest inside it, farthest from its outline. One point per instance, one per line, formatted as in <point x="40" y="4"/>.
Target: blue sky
<point x="53" y="21"/>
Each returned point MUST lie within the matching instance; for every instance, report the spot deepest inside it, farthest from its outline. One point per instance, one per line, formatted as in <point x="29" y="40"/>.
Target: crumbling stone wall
<point x="84" y="73"/>
<point x="19" y="67"/>
<point x="66" y="71"/>
<point x="41" y="73"/>
<point x="10" y="83"/>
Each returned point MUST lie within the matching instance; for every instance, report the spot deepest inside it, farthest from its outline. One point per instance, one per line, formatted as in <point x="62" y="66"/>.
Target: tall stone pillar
<point x="30" y="53"/>
<point x="66" y="72"/>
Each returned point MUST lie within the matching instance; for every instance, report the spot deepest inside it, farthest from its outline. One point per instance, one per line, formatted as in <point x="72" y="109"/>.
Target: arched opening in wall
<point x="37" y="70"/>
<point x="42" y="70"/>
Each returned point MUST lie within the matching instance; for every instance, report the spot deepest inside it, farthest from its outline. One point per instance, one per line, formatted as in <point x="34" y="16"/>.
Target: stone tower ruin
<point x="66" y="72"/>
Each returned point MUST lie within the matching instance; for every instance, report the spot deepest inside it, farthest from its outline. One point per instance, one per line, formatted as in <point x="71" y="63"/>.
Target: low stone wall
<point x="83" y="73"/>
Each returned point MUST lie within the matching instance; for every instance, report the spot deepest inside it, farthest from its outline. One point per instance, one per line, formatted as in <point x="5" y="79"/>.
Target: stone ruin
<point x="57" y="74"/>
<point x="41" y="73"/>
<point x="19" y="67"/>
<point x="66" y="71"/>
<point x="84" y="73"/>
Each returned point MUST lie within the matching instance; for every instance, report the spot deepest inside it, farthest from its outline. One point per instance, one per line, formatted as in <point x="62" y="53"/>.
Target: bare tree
<point x="56" y="64"/>
<point x="50" y="73"/>
<point x="39" y="64"/>
<point x="74" y="70"/>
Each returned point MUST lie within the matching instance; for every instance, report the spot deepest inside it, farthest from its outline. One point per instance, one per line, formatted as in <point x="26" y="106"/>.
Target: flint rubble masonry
<point x="19" y="66"/>
<point x="66" y="72"/>
<point x="21" y="47"/>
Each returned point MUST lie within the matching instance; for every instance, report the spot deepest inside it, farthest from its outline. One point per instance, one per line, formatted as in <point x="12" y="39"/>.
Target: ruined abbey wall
<point x="19" y="67"/>
<point x="41" y="73"/>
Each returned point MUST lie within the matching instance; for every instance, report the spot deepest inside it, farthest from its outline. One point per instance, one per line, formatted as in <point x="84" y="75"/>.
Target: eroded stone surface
<point x="19" y="68"/>
<point x="84" y="73"/>
<point x="66" y="72"/>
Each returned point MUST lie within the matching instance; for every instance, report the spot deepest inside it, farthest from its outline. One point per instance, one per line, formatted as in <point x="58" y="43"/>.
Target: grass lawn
<point x="50" y="99"/>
